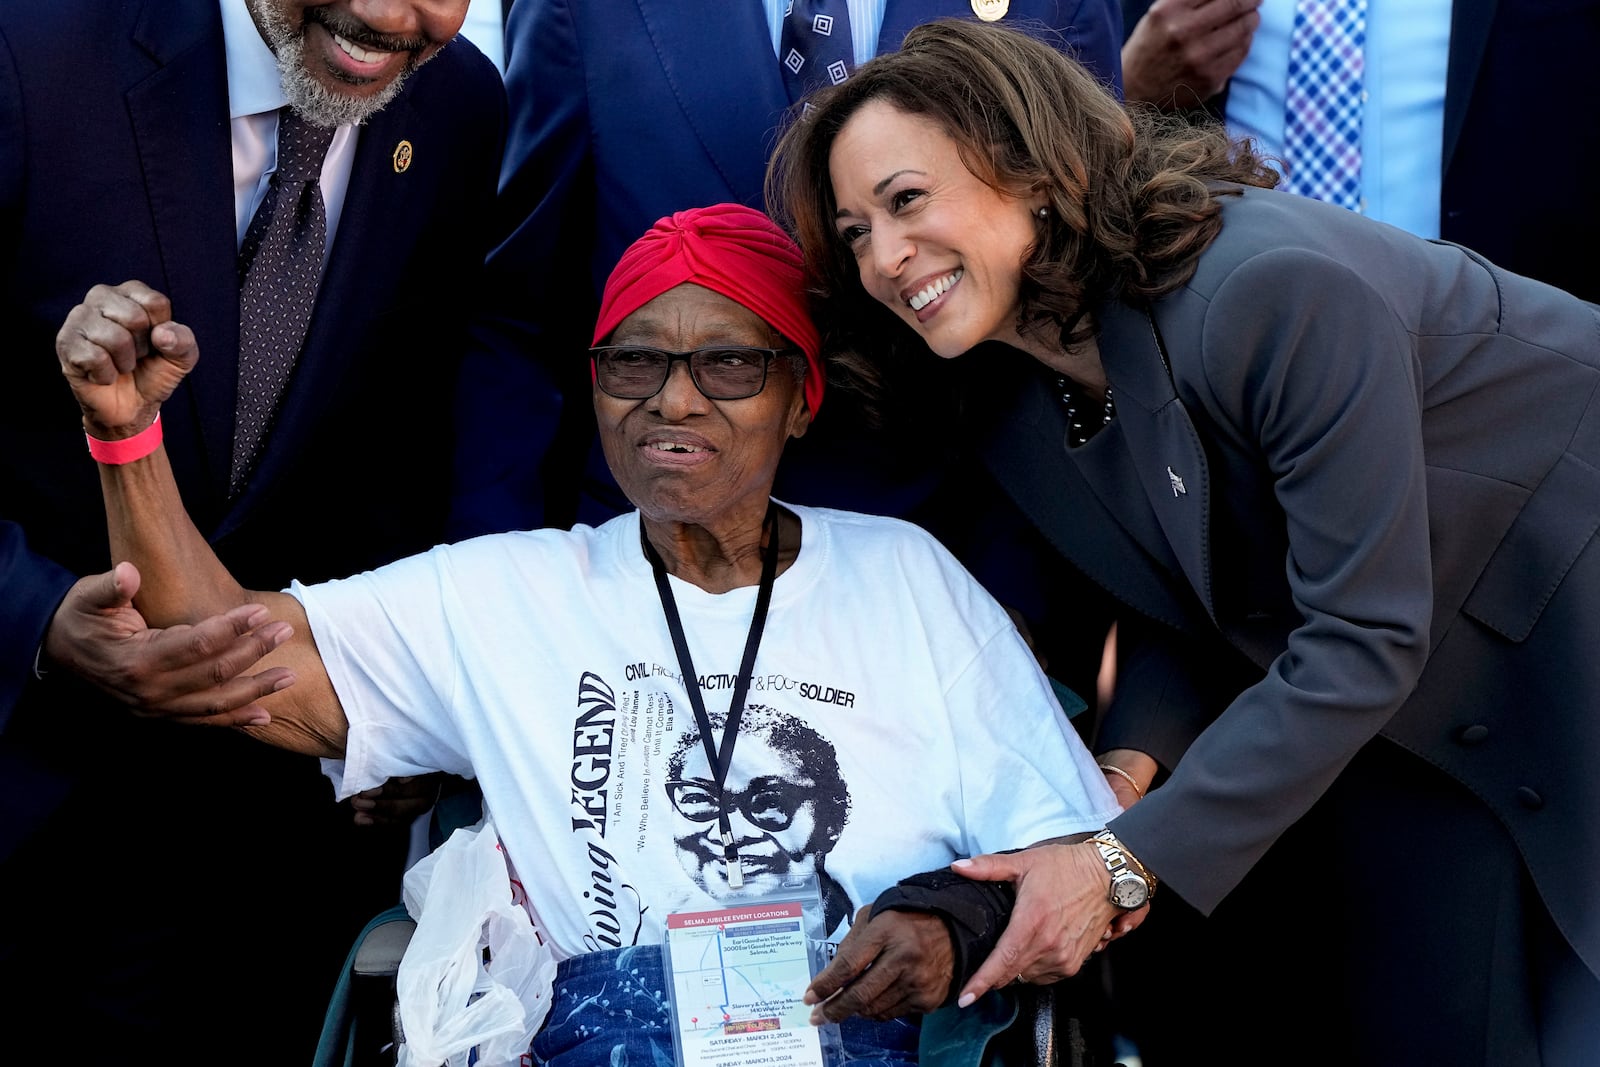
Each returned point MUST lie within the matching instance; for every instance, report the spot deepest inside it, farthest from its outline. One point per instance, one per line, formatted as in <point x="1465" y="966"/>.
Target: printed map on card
<point x="738" y="975"/>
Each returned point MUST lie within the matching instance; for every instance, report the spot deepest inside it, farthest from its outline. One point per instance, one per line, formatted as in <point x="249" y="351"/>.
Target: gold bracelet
<point x="1120" y="773"/>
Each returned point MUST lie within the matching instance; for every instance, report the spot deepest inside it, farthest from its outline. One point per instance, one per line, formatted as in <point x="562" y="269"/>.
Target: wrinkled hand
<point x="123" y="356"/>
<point x="1183" y="52"/>
<point x="190" y="673"/>
<point x="397" y="801"/>
<point x="892" y="964"/>
<point x="1062" y="916"/>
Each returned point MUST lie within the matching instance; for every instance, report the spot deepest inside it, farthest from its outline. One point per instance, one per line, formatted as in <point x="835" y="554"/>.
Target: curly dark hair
<point x="1132" y="194"/>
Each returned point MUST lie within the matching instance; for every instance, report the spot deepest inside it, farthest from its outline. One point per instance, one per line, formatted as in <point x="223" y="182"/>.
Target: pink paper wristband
<point x="128" y="449"/>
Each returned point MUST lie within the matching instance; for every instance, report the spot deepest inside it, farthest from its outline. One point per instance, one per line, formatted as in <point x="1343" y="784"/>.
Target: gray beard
<point x="316" y="103"/>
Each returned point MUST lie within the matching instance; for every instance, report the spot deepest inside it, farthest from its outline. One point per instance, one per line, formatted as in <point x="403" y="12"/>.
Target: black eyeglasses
<point x="769" y="804"/>
<point x="721" y="372"/>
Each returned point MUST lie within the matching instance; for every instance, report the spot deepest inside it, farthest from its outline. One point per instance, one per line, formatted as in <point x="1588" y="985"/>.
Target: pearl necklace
<point x="1077" y="432"/>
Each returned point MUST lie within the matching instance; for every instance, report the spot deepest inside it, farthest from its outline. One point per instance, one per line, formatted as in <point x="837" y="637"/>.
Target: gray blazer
<point x="1369" y="465"/>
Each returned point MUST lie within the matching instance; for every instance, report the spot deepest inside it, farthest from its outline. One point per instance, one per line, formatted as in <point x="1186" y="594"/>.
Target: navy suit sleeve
<point x="1096" y="34"/>
<point x="11" y="152"/>
<point x="30" y="586"/>
<point x="1132" y="12"/>
<point x="33" y="587"/>
<point x="526" y="354"/>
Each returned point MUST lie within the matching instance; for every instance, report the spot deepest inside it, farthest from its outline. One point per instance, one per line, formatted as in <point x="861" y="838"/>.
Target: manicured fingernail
<point x="283" y="683"/>
<point x="961" y="863"/>
<point x="259" y="720"/>
<point x="966" y="1000"/>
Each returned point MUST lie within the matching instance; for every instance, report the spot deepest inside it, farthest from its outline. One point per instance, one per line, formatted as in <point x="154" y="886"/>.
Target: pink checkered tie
<point x="1322" y="110"/>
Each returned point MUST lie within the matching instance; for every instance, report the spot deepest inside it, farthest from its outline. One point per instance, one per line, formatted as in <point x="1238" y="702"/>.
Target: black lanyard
<point x="720" y="757"/>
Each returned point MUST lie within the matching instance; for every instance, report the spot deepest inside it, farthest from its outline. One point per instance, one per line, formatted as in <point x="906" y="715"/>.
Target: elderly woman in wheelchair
<point x="688" y="710"/>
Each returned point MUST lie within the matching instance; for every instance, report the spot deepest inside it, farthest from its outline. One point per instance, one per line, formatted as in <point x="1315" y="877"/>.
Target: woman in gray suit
<point x="1345" y="484"/>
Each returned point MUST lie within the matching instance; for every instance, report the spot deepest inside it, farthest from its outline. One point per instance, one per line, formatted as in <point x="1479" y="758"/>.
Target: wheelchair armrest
<point x="380" y="950"/>
<point x="361" y="1027"/>
<point x="1036" y="1023"/>
<point x="1060" y="1025"/>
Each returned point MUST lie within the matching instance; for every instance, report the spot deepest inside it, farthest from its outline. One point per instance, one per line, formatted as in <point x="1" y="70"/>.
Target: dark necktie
<point x="280" y="262"/>
<point x="815" y="47"/>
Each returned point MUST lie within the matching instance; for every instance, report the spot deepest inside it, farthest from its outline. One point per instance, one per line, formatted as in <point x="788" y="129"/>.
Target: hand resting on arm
<point x="123" y="355"/>
<point x="896" y="961"/>
<point x="192" y="673"/>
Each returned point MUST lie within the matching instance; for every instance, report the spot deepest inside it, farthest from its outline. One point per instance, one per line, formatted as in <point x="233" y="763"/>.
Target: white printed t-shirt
<point x="896" y="720"/>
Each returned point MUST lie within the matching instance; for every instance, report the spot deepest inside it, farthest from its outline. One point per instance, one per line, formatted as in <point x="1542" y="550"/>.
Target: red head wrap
<point x="729" y="249"/>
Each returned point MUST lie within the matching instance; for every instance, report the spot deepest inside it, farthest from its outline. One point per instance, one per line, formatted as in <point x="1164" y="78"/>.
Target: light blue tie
<point x="1322" y="109"/>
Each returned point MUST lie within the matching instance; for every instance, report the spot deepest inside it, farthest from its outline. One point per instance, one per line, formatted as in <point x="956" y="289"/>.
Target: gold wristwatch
<point x="1132" y="885"/>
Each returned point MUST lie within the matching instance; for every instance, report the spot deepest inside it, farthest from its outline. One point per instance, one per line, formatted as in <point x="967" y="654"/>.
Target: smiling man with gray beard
<point x="338" y="70"/>
<point x="150" y="875"/>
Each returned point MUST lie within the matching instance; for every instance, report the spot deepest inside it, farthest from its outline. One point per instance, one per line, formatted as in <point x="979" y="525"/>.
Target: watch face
<point x="1128" y="892"/>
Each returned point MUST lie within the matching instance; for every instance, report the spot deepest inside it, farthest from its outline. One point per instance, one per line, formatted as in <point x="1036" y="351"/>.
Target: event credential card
<point x="737" y="978"/>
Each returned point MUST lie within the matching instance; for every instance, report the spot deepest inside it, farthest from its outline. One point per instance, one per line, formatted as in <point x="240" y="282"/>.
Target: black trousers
<point x="190" y="905"/>
<point x="1394" y="924"/>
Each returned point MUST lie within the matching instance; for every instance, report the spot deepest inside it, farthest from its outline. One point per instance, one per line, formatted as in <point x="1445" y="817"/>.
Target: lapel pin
<point x="1177" y="483"/>
<point x="402" y="157"/>
<point x="991" y="10"/>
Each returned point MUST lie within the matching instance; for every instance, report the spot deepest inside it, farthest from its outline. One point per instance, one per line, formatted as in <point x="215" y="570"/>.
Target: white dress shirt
<point x="255" y="93"/>
<point x="486" y="28"/>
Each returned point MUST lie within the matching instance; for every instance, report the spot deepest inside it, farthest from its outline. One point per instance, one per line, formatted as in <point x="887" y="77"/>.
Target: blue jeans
<point x="610" y="1009"/>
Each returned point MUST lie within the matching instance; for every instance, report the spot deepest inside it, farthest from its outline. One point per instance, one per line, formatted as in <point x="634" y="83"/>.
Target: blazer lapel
<point x="1023" y="450"/>
<point x="703" y="48"/>
<point x="1167" y="452"/>
<point x="179" y="116"/>
<point x="1171" y="461"/>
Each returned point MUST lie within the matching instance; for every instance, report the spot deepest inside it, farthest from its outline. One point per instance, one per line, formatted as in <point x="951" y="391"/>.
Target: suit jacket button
<point x="1471" y="735"/>
<point x="1529" y="799"/>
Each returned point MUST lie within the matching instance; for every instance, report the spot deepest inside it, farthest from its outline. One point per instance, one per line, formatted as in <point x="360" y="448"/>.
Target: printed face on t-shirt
<point x="785" y="809"/>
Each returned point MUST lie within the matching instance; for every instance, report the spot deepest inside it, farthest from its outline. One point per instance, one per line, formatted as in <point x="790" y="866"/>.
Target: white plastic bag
<point x="451" y="1000"/>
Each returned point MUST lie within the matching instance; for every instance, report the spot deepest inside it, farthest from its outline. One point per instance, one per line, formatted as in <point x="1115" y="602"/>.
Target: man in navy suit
<point x="622" y="112"/>
<point x="1458" y="85"/>
<point x="154" y="876"/>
